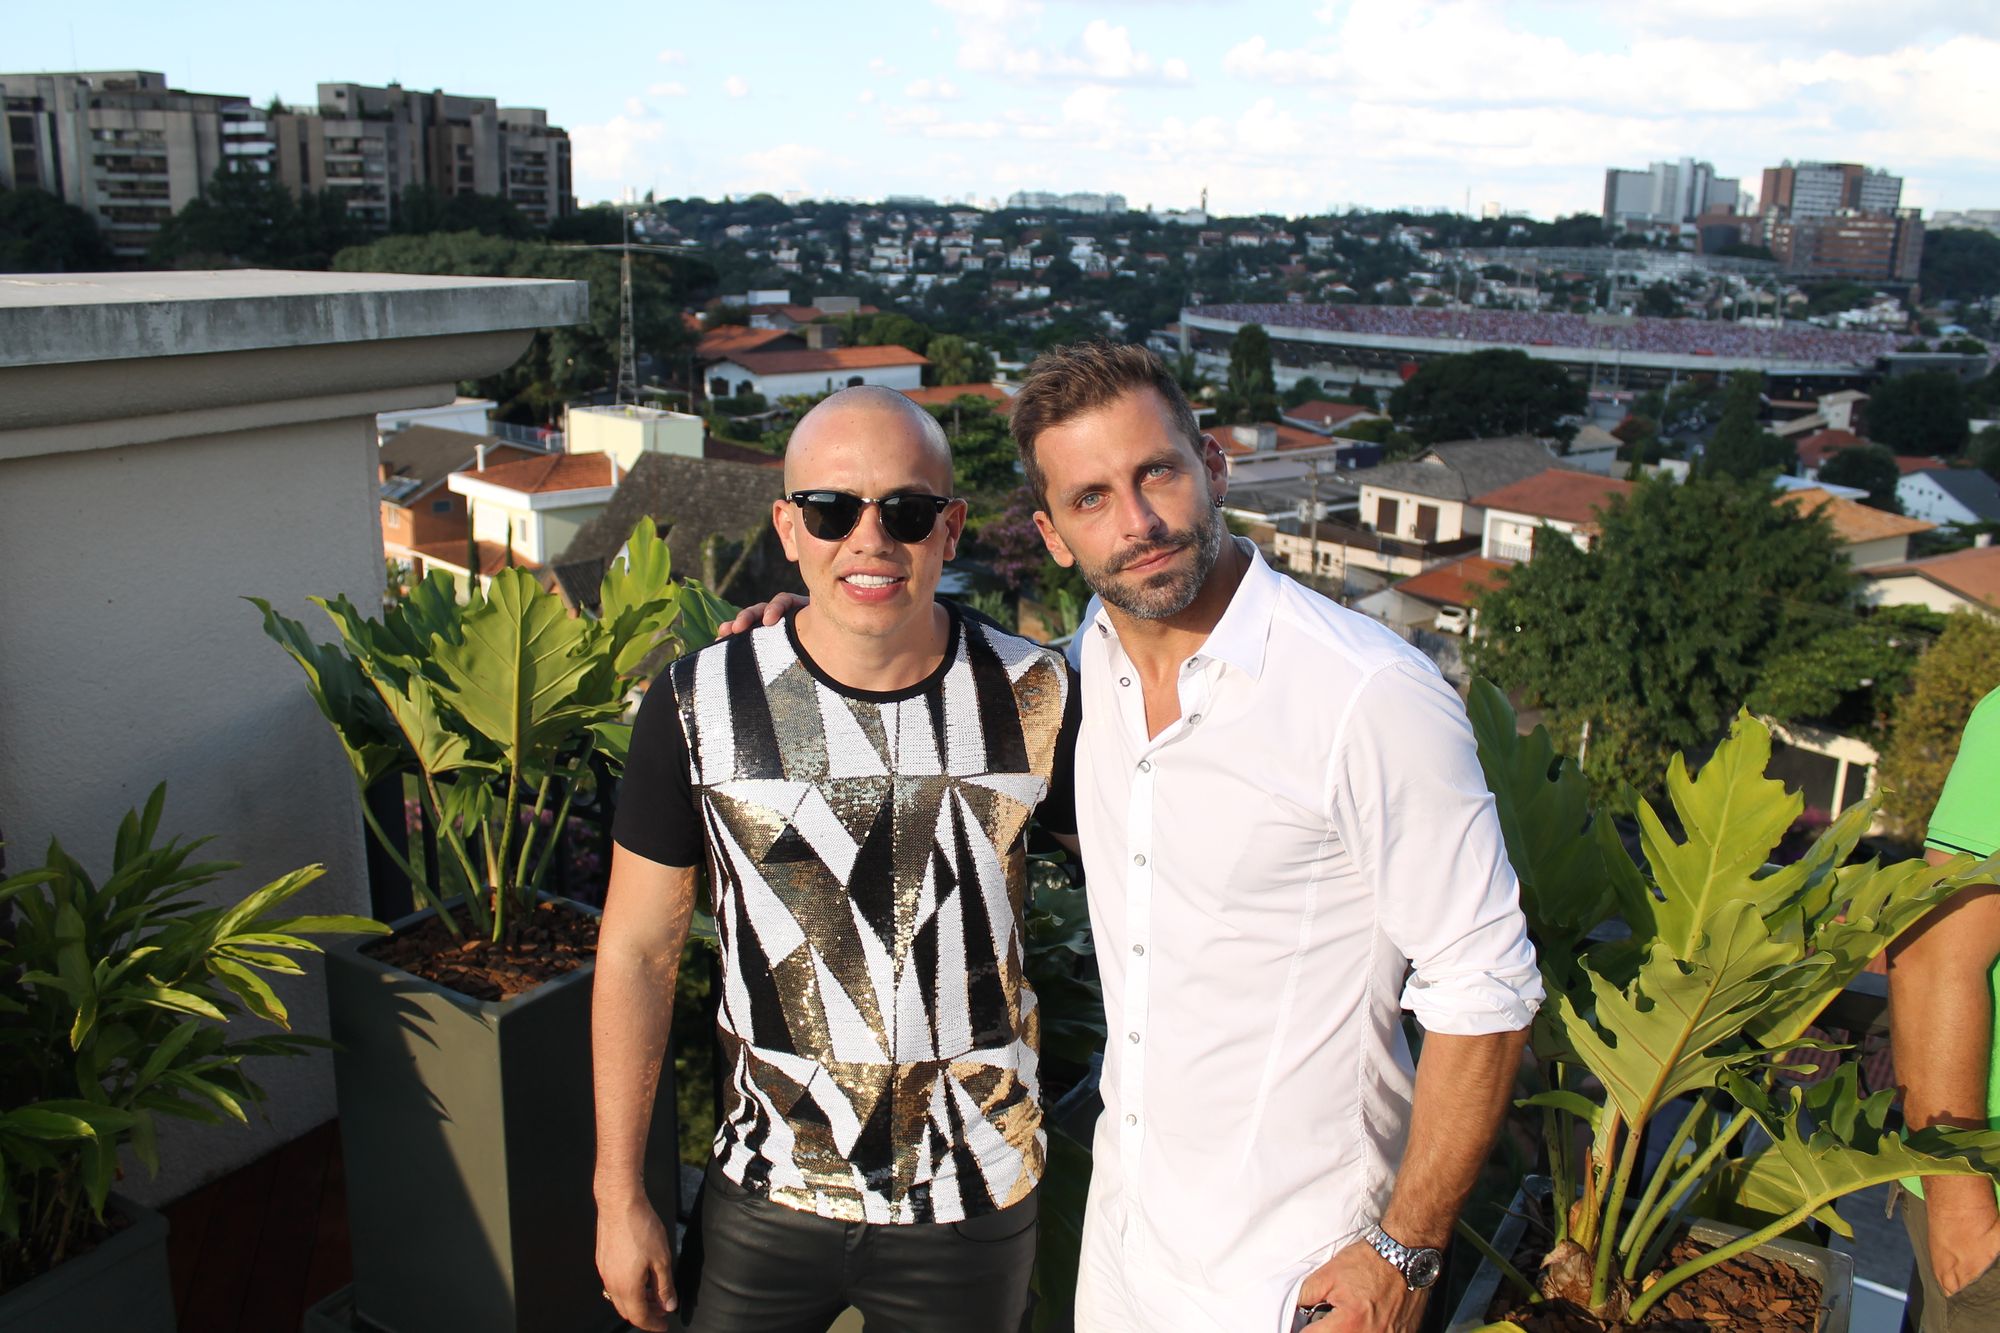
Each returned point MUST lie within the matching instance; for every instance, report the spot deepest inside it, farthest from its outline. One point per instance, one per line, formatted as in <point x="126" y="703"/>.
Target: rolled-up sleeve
<point x="1407" y="798"/>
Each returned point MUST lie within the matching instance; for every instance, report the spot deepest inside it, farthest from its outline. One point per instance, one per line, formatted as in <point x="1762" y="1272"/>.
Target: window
<point x="1386" y="514"/>
<point x="1427" y="523"/>
<point x="440" y="506"/>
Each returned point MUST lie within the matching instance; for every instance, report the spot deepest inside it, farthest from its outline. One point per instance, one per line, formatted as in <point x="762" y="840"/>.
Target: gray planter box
<point x="1833" y="1270"/>
<point x="468" y="1136"/>
<point x="123" y="1284"/>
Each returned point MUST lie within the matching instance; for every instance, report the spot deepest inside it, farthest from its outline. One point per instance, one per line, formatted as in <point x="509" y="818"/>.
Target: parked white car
<point x="1453" y="620"/>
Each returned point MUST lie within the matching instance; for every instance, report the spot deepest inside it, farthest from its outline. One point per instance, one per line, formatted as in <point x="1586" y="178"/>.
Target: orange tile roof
<point x="1558" y="493"/>
<point x="1907" y="465"/>
<point x="492" y="556"/>
<point x="1816" y="448"/>
<point x="1458" y="583"/>
<point x="1288" y="437"/>
<point x="1853" y="523"/>
<point x="555" y="472"/>
<point x="944" y="395"/>
<point x="831" y="358"/>
<point x="1973" y="573"/>
<point x="1329" y="414"/>
<point x="732" y="338"/>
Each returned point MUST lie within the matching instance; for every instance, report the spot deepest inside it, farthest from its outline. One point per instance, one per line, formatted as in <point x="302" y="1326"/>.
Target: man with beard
<point x="1281" y="811"/>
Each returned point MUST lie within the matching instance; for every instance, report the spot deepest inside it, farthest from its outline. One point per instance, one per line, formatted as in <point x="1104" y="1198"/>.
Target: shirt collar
<point x="1239" y="637"/>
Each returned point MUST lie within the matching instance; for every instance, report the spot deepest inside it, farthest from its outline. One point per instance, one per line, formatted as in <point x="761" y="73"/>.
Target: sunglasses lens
<point x="829" y="515"/>
<point x="909" y="518"/>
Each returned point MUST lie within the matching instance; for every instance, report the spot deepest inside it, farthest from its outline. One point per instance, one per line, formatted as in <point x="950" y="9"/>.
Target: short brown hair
<point x="1066" y="382"/>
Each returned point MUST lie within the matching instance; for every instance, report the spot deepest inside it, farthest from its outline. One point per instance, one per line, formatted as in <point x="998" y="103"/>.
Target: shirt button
<point x="1145" y="765"/>
<point x="1131" y="1119"/>
<point x="1133" y="1037"/>
<point x="1193" y="718"/>
<point x="1139" y="949"/>
<point x="1139" y="860"/>
<point x="1124" y="680"/>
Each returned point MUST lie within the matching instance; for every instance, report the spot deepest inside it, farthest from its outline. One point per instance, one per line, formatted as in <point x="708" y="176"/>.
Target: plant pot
<point x="1833" y="1270"/>
<point x="122" y="1284"/>
<point x="469" y="1139"/>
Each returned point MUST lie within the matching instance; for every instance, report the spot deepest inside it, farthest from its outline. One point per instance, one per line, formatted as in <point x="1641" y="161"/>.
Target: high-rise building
<point x="1848" y="244"/>
<point x="1821" y="189"/>
<point x="1667" y="192"/>
<point x="368" y="144"/>
<point x="123" y="146"/>
<point x="1074" y="203"/>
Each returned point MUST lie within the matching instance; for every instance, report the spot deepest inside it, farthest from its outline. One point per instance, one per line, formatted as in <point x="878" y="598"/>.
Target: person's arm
<point x="645" y="925"/>
<point x="1463" y="1086"/>
<point x="1941" y="1030"/>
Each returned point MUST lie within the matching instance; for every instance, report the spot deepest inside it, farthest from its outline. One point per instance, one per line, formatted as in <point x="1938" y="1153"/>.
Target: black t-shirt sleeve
<point x="1057" y="812"/>
<point x="657" y="816"/>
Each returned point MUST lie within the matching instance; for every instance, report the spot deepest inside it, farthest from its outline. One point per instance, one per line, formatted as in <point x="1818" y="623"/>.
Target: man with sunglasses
<point x="858" y="780"/>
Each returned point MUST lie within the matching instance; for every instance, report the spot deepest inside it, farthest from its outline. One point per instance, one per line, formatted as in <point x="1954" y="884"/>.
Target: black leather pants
<point x="767" y="1268"/>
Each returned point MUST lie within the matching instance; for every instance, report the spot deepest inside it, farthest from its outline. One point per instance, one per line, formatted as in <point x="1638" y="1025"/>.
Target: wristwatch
<point x="1419" y="1267"/>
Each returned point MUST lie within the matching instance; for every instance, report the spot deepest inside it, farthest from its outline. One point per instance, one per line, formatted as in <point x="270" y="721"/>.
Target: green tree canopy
<point x="1741" y="448"/>
<point x="422" y="209"/>
<point x="1481" y="395"/>
<point x="1850" y="676"/>
<point x="563" y="363"/>
<point x="1304" y="390"/>
<point x="1920" y="414"/>
<point x="1656" y="636"/>
<point x="598" y="225"/>
<point x="1960" y="264"/>
<point x="983" y="456"/>
<point x="1959" y="670"/>
<point x="247" y="218"/>
<point x="958" y="360"/>
<point x="1250" y="393"/>
<point x="39" y="233"/>
<point x="1869" y="466"/>
<point x="1984" y="451"/>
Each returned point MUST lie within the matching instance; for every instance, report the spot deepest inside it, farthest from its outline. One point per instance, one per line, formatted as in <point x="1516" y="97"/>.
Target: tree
<point x="1742" y="448"/>
<point x="421" y="210"/>
<point x="983" y="457"/>
<point x="248" y="218"/>
<point x="1869" y="466"/>
<point x="598" y="225"/>
<point x="1305" y="389"/>
<point x="1654" y="638"/>
<point x="958" y="360"/>
<point x="1849" y="677"/>
<point x="39" y="233"/>
<point x="1960" y="264"/>
<point x="1479" y="395"/>
<point x="1959" y="670"/>
<point x="1380" y="430"/>
<point x="1250" y="393"/>
<point x="1921" y="414"/>
<point x="1984" y="451"/>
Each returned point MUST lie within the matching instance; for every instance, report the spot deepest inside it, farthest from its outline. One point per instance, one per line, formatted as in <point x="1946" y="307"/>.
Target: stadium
<point x="1382" y="345"/>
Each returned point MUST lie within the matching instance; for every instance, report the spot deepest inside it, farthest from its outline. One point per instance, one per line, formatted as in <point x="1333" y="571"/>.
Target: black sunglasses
<point x="831" y="515"/>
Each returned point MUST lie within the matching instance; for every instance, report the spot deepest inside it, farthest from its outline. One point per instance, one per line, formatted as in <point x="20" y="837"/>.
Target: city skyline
<point x="1286" y="108"/>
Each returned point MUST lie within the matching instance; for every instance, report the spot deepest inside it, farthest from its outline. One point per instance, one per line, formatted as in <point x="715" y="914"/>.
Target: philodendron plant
<point x="1728" y="964"/>
<point x="496" y="705"/>
<point x="119" y="1006"/>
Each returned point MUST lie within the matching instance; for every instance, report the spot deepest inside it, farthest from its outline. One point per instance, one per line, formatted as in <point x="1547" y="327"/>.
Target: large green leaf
<point x="433" y="733"/>
<point x="513" y="674"/>
<point x="344" y="696"/>
<point x="1733" y="816"/>
<point x="702" y="613"/>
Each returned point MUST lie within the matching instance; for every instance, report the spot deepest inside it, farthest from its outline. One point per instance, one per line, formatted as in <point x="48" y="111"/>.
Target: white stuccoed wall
<point x="170" y="443"/>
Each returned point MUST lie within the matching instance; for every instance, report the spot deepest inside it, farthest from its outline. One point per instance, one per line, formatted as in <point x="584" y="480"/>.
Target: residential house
<point x="522" y="513"/>
<point x="777" y="375"/>
<point x="1327" y="418"/>
<point x="715" y="515"/>
<point x="1950" y="497"/>
<point x="467" y="415"/>
<point x="1431" y="499"/>
<point x="1416" y="601"/>
<point x="418" y="508"/>
<point x="1868" y="536"/>
<point x="1555" y="499"/>
<point x="1967" y="580"/>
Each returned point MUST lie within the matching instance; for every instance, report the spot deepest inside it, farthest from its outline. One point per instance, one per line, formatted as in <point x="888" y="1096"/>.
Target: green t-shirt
<point x="1967" y="819"/>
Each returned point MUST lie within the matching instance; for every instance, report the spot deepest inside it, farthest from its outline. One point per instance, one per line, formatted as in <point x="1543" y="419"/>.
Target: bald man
<point x="857" y="781"/>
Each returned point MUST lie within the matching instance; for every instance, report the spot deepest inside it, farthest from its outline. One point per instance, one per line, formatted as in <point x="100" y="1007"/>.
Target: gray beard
<point x="1168" y="593"/>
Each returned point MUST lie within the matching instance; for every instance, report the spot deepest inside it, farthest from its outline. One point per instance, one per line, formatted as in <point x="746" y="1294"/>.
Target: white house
<point x="1564" y="501"/>
<point x="1867" y="536"/>
<point x="779" y="374"/>
<point x="1967" y="580"/>
<point x="1430" y="498"/>
<point x="1950" y="497"/>
<point x="532" y="508"/>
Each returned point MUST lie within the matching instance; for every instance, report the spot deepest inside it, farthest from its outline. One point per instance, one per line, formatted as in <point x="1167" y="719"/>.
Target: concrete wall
<point x="141" y="497"/>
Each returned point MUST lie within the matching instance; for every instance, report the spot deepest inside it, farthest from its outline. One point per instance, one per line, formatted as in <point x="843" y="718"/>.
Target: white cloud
<point x="932" y="90"/>
<point x="736" y="86"/>
<point x="672" y="57"/>
<point x="881" y="68"/>
<point x="789" y="166"/>
<point x="616" y="149"/>
<point x="666" y="90"/>
<point x="865" y="97"/>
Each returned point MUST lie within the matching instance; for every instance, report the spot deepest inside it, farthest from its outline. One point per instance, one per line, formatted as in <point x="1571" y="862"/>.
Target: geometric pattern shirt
<point x="867" y="868"/>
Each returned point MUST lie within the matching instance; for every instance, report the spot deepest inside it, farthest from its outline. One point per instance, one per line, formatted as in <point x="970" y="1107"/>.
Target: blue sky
<point x="1286" y="107"/>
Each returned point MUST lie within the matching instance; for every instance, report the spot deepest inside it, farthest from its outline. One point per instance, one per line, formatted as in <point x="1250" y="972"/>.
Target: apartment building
<point x="1849" y="244"/>
<point x="1667" y="192"/>
<point x="123" y="146"/>
<point x="1822" y="189"/>
<point x="368" y="144"/>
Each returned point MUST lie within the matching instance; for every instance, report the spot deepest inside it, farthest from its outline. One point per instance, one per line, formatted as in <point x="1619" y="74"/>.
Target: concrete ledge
<point x="48" y="319"/>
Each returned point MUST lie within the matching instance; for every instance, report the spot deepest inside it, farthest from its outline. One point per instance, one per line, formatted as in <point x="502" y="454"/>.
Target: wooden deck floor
<point x="251" y="1252"/>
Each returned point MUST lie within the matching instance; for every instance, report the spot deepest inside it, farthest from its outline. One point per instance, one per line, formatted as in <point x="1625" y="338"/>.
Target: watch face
<point x="1422" y="1269"/>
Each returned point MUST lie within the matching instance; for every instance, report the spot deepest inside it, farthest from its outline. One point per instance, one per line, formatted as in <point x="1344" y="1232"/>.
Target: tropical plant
<point x="496" y="707"/>
<point x="1728" y="964"/>
<point x="116" y="1011"/>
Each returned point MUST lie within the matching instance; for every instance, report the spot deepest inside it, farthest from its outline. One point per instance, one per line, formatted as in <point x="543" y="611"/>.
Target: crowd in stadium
<point x="1684" y="337"/>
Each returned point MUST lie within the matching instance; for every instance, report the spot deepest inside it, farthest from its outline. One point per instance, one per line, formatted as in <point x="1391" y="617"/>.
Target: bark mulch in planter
<point x="553" y="941"/>
<point x="1748" y="1292"/>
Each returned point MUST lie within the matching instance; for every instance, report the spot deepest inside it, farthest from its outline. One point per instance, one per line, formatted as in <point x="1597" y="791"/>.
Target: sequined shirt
<point x="868" y="871"/>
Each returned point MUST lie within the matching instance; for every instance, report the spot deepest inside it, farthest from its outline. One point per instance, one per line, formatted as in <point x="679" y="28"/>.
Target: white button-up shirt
<point x="1263" y="876"/>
